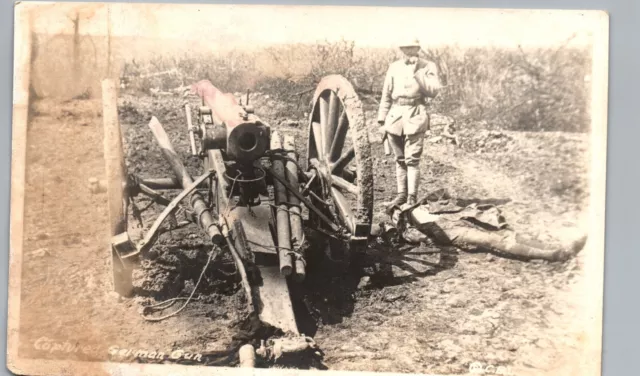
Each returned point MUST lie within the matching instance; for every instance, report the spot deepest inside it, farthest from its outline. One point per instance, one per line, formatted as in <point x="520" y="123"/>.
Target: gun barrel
<point x="247" y="136"/>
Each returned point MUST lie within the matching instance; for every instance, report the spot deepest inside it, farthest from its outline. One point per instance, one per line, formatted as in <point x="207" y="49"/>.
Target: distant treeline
<point x="544" y="89"/>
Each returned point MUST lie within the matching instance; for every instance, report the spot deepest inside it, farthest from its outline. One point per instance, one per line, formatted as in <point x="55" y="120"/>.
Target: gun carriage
<point x="254" y="198"/>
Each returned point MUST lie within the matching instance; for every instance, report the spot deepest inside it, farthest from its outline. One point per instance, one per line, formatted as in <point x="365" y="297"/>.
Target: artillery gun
<point x="253" y="191"/>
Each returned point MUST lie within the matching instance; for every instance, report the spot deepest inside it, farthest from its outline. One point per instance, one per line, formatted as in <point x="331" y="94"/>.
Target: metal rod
<point x="292" y="178"/>
<point x="205" y="220"/>
<point x="306" y="202"/>
<point x="155" y="196"/>
<point x="161" y="183"/>
<point x="147" y="242"/>
<point x="295" y="215"/>
<point x="192" y="140"/>
<point x="216" y="163"/>
<point x="282" y="214"/>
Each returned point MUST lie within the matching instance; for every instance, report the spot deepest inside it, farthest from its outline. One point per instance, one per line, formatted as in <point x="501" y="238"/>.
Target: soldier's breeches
<point x="397" y="146"/>
<point x="407" y="149"/>
<point x="413" y="149"/>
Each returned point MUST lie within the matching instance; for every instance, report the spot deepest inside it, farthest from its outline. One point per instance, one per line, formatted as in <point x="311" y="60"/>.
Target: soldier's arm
<point x="431" y="79"/>
<point x="385" y="99"/>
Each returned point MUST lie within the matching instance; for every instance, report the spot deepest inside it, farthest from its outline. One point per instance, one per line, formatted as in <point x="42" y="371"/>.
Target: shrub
<point x="544" y="89"/>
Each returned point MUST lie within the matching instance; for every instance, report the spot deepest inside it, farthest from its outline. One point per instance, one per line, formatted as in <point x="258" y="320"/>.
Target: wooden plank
<point x="255" y="223"/>
<point x="277" y="309"/>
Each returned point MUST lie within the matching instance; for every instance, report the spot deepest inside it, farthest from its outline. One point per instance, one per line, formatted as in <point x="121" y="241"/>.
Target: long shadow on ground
<point x="328" y="294"/>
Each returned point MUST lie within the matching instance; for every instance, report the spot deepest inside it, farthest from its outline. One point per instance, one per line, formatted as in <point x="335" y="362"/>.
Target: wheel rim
<point x="114" y="163"/>
<point x="339" y="150"/>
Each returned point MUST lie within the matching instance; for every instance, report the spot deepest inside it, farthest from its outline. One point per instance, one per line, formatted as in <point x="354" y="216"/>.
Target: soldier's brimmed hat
<point x="410" y="43"/>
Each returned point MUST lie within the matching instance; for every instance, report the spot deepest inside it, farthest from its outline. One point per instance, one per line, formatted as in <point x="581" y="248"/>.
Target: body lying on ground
<point x="471" y="226"/>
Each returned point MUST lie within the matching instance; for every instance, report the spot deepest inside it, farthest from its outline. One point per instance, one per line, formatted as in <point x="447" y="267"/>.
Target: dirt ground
<point x="411" y="316"/>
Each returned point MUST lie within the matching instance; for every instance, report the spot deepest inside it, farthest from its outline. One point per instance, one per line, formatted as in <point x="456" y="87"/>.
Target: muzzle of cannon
<point x="228" y="125"/>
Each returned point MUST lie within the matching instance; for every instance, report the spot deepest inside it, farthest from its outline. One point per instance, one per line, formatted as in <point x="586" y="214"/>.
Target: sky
<point x="251" y="25"/>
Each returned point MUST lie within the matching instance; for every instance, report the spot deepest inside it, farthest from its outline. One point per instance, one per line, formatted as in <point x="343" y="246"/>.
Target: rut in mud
<point x="399" y="308"/>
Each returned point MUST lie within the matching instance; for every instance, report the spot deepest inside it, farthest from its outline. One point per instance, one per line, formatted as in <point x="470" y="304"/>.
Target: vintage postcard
<point x="221" y="189"/>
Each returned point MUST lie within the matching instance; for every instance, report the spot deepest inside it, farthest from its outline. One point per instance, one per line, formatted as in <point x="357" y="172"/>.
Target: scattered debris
<point x="43" y="236"/>
<point x="40" y="252"/>
<point x="289" y="123"/>
<point x="413" y="236"/>
<point x="97" y="186"/>
<point x="442" y="128"/>
<point x="364" y="282"/>
<point x="488" y="141"/>
<point x="393" y="296"/>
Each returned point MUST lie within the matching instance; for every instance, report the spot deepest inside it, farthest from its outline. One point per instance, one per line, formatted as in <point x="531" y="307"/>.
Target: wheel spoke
<point x="344" y="210"/>
<point x="339" y="138"/>
<point x="343" y="161"/>
<point x="332" y="157"/>
<point x="317" y="138"/>
<point x="332" y="121"/>
<point x="324" y="120"/>
<point x="349" y="175"/>
<point x="343" y="185"/>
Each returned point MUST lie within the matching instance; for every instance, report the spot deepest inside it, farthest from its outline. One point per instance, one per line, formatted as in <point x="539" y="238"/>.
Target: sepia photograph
<point x="204" y="189"/>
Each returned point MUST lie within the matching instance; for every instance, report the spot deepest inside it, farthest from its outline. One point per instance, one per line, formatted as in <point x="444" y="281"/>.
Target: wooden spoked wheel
<point x="116" y="186"/>
<point x="339" y="151"/>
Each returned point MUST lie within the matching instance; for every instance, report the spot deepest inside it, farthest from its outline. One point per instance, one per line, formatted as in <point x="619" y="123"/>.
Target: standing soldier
<point x="403" y="116"/>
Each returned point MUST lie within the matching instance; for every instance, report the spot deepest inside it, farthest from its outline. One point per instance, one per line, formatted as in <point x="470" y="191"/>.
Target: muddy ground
<point x="402" y="309"/>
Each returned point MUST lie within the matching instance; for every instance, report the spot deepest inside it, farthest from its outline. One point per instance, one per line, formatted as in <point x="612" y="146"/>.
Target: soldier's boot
<point x="401" y="181"/>
<point x="413" y="182"/>
<point x="400" y="199"/>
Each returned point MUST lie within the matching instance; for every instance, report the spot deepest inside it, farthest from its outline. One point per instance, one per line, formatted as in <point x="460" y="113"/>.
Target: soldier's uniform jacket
<point x="403" y="104"/>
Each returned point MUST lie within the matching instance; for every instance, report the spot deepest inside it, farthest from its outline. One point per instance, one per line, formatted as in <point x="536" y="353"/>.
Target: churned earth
<point x="400" y="309"/>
